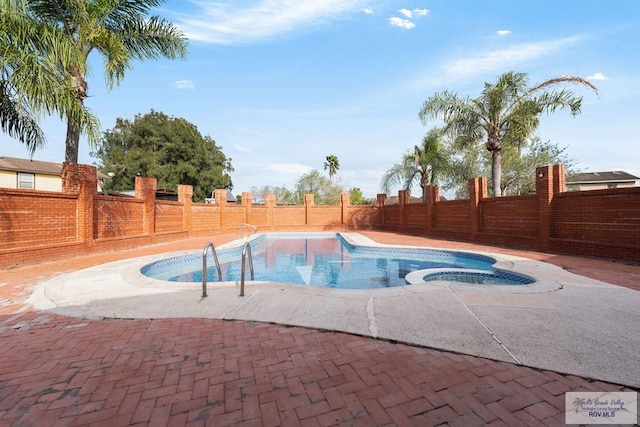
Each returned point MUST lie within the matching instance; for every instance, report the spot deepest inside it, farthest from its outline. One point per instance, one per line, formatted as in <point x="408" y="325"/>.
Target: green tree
<point x="284" y="196"/>
<point x="357" y="198"/>
<point x="119" y="30"/>
<point x="31" y="83"/>
<point x="332" y="164"/>
<point x="325" y="191"/>
<point x="425" y="165"/>
<point x="506" y="113"/>
<point x="518" y="166"/>
<point x="172" y="150"/>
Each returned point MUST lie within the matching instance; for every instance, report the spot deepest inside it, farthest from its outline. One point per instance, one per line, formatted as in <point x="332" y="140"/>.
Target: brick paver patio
<point x="64" y="371"/>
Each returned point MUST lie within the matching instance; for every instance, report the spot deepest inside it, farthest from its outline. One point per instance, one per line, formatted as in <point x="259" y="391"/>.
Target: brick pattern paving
<point x="61" y="371"/>
<point x="64" y="371"/>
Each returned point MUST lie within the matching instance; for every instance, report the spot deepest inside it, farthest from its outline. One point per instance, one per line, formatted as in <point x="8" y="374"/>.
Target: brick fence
<point x="38" y="225"/>
<point x="602" y="223"/>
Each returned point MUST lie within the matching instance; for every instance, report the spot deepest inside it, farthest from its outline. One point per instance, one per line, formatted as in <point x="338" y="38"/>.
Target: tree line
<point x="492" y="134"/>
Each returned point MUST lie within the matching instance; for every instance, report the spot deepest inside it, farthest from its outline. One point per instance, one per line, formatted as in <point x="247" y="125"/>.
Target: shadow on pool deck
<point x="73" y="371"/>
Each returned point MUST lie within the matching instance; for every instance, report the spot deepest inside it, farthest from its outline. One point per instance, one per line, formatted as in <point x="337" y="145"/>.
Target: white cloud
<point x="241" y="148"/>
<point x="503" y="32"/>
<point x="405" y="12"/>
<point x="402" y="23"/>
<point x="597" y="76"/>
<point x="504" y="59"/>
<point x="258" y="20"/>
<point x="184" y="84"/>
<point x="421" y="12"/>
<point x="368" y="10"/>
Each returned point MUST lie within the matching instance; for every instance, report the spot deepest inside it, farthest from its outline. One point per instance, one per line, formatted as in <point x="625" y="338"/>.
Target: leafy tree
<point x="324" y="190"/>
<point x="166" y="148"/>
<point x="119" y="30"/>
<point x="332" y="164"/>
<point x="357" y="198"/>
<point x="518" y="166"/>
<point x="425" y="165"/>
<point x="30" y="80"/>
<point x="284" y="196"/>
<point x="505" y="114"/>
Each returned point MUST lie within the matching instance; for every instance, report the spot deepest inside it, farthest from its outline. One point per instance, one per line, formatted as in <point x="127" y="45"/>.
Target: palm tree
<point x="119" y="30"/>
<point x="506" y="113"/>
<point x="30" y="82"/>
<point x="332" y="164"/>
<point x="425" y="164"/>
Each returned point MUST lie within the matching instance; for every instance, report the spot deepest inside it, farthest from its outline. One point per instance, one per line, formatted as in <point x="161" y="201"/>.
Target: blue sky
<point x="279" y="85"/>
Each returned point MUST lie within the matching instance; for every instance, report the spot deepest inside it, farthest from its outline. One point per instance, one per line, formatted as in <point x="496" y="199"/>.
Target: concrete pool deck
<point x="584" y="328"/>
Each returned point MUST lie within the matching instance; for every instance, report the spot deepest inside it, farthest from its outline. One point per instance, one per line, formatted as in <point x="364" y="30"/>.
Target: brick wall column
<point x="220" y="196"/>
<point x="83" y="181"/>
<point x="270" y="203"/>
<point x="247" y="202"/>
<point x="403" y="199"/>
<point x="345" y="201"/>
<point x="308" y="205"/>
<point x="146" y="190"/>
<point x="382" y="199"/>
<point x="559" y="179"/>
<point x="544" y="191"/>
<point x="185" y="196"/>
<point x="477" y="192"/>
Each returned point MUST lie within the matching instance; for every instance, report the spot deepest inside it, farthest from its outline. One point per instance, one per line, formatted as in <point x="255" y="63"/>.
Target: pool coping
<point x="549" y="329"/>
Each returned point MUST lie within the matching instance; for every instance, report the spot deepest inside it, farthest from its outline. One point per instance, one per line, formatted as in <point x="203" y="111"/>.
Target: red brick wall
<point x="392" y="215"/>
<point x="35" y="218"/>
<point x="259" y="216"/>
<point x="288" y="217"/>
<point x="515" y="215"/>
<point x="205" y="218"/>
<point x="234" y="216"/>
<point x="326" y="216"/>
<point x="416" y="215"/>
<point x="362" y="217"/>
<point x="598" y="222"/>
<point x="118" y="217"/>
<point x="603" y="223"/>
<point x="452" y="215"/>
<point x="78" y="221"/>
<point x="169" y="216"/>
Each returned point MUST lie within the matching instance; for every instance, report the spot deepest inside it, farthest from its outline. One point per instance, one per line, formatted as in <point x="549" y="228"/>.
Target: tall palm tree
<point x="119" y="30"/>
<point x="506" y="113"/>
<point x="425" y="164"/>
<point x="30" y="80"/>
<point x="332" y="164"/>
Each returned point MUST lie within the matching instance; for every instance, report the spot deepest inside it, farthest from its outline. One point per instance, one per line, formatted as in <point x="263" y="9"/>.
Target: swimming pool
<point x="328" y="260"/>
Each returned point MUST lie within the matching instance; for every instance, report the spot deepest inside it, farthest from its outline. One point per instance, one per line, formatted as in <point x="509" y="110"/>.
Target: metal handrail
<point x="246" y="251"/>
<point x="252" y="227"/>
<point x="204" y="266"/>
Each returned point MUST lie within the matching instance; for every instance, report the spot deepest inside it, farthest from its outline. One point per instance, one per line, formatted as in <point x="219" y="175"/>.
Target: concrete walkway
<point x="186" y="370"/>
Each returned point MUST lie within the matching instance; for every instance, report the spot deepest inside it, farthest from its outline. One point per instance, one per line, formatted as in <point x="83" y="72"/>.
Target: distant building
<point x="600" y="180"/>
<point x="230" y="197"/>
<point x="34" y="175"/>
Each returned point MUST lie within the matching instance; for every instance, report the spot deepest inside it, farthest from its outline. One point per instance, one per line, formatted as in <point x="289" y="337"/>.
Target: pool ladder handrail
<point x="246" y="252"/>
<point x="209" y="245"/>
<point x="253" y="228"/>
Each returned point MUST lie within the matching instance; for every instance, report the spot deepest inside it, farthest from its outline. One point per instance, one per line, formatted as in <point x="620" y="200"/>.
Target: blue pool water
<point x="326" y="260"/>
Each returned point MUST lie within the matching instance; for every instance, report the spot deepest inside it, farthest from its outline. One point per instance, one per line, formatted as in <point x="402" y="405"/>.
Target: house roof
<point x="31" y="166"/>
<point x="34" y="166"/>
<point x="600" y="177"/>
